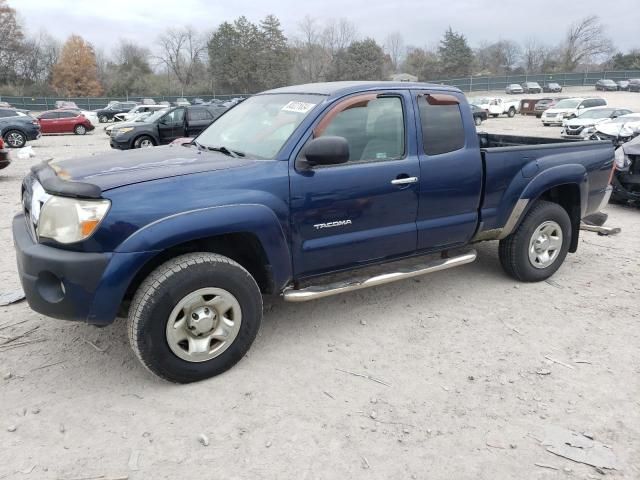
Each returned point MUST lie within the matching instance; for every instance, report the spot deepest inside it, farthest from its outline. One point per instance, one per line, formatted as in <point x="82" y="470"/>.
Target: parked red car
<point x="64" y="121"/>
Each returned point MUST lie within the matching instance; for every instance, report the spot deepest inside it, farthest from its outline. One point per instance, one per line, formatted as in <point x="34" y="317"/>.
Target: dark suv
<point x="163" y="127"/>
<point x="106" y="114"/>
<point x="15" y="130"/>
<point x="634" y="85"/>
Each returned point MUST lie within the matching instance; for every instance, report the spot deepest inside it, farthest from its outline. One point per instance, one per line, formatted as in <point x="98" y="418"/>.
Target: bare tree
<point x="585" y="42"/>
<point x="181" y="51"/>
<point x="394" y="47"/>
<point x="533" y="55"/>
<point x="312" y="58"/>
<point x="338" y="35"/>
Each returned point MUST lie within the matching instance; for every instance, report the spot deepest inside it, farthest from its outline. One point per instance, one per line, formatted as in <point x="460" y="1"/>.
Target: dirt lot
<point x="477" y="370"/>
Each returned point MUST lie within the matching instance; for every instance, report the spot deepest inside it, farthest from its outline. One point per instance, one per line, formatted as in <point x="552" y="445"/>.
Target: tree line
<point x="243" y="57"/>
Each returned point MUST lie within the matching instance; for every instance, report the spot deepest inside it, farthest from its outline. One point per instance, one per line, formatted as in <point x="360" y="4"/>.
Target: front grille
<point x="551" y="115"/>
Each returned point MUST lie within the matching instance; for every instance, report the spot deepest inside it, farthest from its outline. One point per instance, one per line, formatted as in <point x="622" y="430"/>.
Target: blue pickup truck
<point x="303" y="192"/>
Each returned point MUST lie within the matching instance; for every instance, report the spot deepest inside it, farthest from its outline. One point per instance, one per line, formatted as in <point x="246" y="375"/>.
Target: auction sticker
<point x="298" y="107"/>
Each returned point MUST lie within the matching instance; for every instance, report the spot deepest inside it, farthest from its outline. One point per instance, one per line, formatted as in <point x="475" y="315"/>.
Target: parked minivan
<point x="569" y="108"/>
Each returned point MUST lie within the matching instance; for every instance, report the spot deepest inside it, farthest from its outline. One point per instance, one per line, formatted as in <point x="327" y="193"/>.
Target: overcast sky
<point x="420" y="22"/>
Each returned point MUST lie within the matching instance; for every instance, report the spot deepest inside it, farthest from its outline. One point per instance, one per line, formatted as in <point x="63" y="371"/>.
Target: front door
<point x="363" y="210"/>
<point x="171" y="126"/>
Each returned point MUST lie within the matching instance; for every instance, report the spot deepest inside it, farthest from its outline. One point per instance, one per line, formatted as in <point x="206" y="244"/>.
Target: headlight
<point x="125" y="130"/>
<point x="622" y="161"/>
<point x="69" y="220"/>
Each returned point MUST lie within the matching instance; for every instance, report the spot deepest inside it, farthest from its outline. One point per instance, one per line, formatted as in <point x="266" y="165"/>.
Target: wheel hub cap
<point x="203" y="324"/>
<point x="545" y="244"/>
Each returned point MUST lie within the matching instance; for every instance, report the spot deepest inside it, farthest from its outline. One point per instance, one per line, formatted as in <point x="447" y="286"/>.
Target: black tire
<point x="15" y="139"/>
<point x="514" y="250"/>
<point x="161" y="291"/>
<point x="144" y="141"/>
<point x="545" y="124"/>
<point x="80" y="130"/>
<point x="103" y="119"/>
<point x="511" y="113"/>
<point x="477" y="121"/>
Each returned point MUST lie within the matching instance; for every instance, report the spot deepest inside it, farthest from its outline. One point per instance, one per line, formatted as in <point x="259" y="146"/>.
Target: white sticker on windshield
<point x="298" y="107"/>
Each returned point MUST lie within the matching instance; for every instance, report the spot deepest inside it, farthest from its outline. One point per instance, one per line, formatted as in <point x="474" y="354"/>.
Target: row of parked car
<point x="607" y="85"/>
<point x="19" y="126"/>
<point x="533" y="87"/>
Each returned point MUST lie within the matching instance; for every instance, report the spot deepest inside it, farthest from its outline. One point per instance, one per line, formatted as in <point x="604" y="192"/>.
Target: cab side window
<point x="373" y="128"/>
<point x="442" y="129"/>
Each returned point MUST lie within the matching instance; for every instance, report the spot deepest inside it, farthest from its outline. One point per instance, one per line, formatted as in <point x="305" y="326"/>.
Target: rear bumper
<point x="80" y="286"/>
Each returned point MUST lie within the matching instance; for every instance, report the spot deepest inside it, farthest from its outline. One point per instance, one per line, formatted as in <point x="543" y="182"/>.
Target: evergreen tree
<point x="456" y="57"/>
<point x="275" y="58"/>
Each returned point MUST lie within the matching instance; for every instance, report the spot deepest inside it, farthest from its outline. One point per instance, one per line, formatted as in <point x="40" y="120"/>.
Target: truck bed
<point x="511" y="163"/>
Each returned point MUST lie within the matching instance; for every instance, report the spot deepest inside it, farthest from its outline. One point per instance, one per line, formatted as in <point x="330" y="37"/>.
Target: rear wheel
<point x="144" y="141"/>
<point x="15" y="139"/>
<point x="477" y="121"/>
<point x="539" y="245"/>
<point x="194" y="317"/>
<point x="103" y="119"/>
<point x="511" y="113"/>
<point x="80" y="130"/>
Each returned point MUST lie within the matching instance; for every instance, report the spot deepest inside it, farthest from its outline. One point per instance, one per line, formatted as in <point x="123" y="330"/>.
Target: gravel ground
<point x="476" y="368"/>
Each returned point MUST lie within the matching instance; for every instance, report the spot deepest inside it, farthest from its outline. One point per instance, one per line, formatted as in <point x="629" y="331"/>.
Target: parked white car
<point x="497" y="106"/>
<point x="569" y="108"/>
<point x="135" y="111"/>
<point x="589" y="117"/>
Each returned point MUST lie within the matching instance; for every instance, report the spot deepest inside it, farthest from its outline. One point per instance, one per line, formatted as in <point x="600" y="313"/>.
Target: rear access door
<point x="451" y="173"/>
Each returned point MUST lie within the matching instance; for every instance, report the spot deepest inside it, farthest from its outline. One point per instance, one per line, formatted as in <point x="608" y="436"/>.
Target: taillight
<point x="1" y="143"/>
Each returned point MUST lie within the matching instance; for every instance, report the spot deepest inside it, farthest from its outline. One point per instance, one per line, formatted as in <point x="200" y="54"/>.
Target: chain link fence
<point x="478" y="84"/>
<point x="40" y="104"/>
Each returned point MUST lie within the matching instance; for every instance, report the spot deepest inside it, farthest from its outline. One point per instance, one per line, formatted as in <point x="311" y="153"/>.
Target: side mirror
<point x="326" y="151"/>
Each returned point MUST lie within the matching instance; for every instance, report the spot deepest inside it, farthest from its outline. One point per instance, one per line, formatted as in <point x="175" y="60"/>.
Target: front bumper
<point x="70" y="285"/>
<point x="120" y="144"/>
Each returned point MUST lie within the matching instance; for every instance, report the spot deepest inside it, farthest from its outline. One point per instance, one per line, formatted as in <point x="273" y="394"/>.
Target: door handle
<point x="404" y="180"/>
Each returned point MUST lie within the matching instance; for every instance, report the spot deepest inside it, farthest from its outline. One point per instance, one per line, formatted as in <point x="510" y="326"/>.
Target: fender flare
<point x="191" y="225"/>
<point x="569" y="174"/>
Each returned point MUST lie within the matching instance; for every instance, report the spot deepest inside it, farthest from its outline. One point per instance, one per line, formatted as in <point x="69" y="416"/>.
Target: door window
<point x="196" y="114"/>
<point x="373" y="127"/>
<point x="48" y="116"/>
<point x="174" y="117"/>
<point x="442" y="129"/>
<point x="67" y="115"/>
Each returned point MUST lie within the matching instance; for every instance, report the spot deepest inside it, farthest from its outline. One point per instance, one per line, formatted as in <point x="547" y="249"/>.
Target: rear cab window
<point x="441" y="122"/>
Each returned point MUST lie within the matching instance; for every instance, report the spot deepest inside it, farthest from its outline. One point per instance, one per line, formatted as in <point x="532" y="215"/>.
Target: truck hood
<point x="117" y="169"/>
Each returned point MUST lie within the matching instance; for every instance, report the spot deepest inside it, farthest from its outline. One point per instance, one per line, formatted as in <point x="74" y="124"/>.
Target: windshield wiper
<point x="222" y="149"/>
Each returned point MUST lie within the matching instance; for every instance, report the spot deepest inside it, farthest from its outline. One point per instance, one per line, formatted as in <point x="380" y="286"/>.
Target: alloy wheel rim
<point x="545" y="244"/>
<point x="146" y="143"/>
<point x="203" y="324"/>
<point x="14" y="139"/>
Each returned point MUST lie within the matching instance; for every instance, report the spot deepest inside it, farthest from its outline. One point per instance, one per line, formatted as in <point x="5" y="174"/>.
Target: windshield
<point x="259" y="126"/>
<point x="568" y="103"/>
<point x="600" y="113"/>
<point x="153" y="116"/>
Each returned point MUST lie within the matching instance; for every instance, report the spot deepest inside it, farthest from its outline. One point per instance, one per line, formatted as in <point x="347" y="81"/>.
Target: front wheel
<point x="15" y="139"/>
<point x="194" y="317"/>
<point x="103" y="119"/>
<point x="537" y="248"/>
<point x="143" y="142"/>
<point x="477" y="121"/>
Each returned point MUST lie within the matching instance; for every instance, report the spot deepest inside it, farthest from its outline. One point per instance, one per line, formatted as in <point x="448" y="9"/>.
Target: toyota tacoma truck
<point x="303" y="192"/>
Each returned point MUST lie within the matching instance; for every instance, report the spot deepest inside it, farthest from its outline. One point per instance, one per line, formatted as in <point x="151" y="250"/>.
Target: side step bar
<point x="320" y="291"/>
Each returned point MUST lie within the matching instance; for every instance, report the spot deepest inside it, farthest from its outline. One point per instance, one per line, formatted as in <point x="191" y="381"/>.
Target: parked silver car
<point x="513" y="88"/>
<point x="572" y="128"/>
